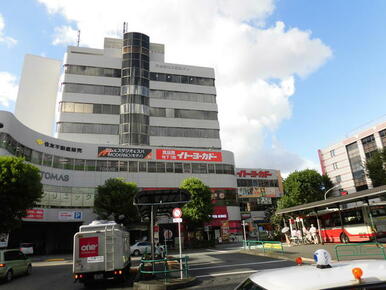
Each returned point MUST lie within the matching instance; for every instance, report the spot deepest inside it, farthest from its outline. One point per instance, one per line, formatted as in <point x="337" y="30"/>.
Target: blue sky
<point x="330" y="84"/>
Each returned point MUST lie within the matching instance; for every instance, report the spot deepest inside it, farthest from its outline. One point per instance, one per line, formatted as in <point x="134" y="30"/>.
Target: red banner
<point x="170" y="154"/>
<point x="35" y="214"/>
<point x="88" y="247"/>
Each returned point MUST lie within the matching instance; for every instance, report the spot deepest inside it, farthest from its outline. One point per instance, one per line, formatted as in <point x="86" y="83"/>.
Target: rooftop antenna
<point x="124" y="27"/>
<point x="78" y="38"/>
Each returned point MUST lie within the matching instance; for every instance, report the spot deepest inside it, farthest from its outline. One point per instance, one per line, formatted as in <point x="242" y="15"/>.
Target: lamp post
<point x="325" y="194"/>
<point x="245" y="236"/>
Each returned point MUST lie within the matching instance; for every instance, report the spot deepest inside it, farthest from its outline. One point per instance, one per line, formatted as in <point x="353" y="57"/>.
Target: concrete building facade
<point x="35" y="104"/>
<point x="344" y="161"/>
<point x="128" y="86"/>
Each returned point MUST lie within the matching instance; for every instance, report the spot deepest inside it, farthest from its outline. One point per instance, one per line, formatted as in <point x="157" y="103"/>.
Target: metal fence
<point x="266" y="246"/>
<point x="363" y="250"/>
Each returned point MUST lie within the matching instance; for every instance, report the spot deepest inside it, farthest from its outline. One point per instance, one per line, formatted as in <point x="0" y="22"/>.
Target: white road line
<point x="227" y="273"/>
<point x="232" y="265"/>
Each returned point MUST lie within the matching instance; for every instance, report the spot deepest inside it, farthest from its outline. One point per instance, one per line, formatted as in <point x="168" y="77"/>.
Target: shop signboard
<point x="188" y="155"/>
<point x="70" y="215"/>
<point x="34" y="214"/>
<point x="254" y="173"/>
<point x="130" y="153"/>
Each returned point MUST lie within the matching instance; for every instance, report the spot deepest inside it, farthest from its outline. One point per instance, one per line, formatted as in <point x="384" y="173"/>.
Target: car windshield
<point x="26" y="245"/>
<point x="249" y="285"/>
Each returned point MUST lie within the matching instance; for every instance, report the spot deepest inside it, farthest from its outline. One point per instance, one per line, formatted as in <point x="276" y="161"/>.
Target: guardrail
<point x="359" y="250"/>
<point x="266" y="246"/>
<point x="165" y="266"/>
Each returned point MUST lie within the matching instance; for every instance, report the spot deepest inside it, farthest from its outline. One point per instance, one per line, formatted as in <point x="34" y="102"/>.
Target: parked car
<point x="13" y="263"/>
<point x="27" y="248"/>
<point x="140" y="248"/>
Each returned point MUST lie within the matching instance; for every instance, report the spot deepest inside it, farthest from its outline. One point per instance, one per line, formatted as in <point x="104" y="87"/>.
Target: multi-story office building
<point x="35" y="104"/>
<point x="122" y="112"/>
<point x="257" y="190"/>
<point x="126" y="94"/>
<point x="344" y="161"/>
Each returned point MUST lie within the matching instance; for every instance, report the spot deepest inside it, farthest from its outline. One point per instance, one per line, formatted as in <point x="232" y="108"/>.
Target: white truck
<point x="101" y="251"/>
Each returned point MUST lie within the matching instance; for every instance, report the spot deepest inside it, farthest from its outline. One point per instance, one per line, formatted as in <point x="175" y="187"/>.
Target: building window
<point x="335" y="165"/>
<point x="332" y="152"/>
<point x="382" y="134"/>
<point x="184" y="132"/>
<point x="183" y="96"/>
<point x="338" y="179"/>
<point x="161" y="77"/>
<point x="87" y="128"/>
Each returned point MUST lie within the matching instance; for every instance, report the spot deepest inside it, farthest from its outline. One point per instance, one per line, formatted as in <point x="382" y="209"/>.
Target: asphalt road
<point x="215" y="269"/>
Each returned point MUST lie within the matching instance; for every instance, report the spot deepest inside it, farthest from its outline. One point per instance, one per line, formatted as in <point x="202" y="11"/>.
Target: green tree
<point x="200" y="208"/>
<point x="302" y="187"/>
<point x="114" y="199"/>
<point x="20" y="189"/>
<point x="375" y="167"/>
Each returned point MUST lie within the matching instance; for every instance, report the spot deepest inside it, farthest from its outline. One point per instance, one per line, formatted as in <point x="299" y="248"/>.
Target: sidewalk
<point x="292" y="252"/>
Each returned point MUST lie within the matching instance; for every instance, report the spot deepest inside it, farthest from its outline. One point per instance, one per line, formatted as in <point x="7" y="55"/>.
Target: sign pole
<point x="179" y="241"/>
<point x="245" y="235"/>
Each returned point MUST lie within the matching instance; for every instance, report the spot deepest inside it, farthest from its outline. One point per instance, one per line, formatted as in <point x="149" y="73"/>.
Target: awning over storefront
<point x="335" y="201"/>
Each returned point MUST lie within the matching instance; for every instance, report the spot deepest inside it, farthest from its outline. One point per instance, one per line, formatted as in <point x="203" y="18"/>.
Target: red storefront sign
<point x="88" y="247"/>
<point x="170" y="154"/>
<point x="35" y="214"/>
<point x="254" y="173"/>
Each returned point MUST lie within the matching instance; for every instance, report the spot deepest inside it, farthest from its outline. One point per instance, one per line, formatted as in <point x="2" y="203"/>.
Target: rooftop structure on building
<point x="127" y="94"/>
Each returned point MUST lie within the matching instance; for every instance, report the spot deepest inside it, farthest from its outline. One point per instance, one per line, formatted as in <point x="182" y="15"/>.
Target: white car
<point x="338" y="276"/>
<point x="26" y="248"/>
<point x="140" y="248"/>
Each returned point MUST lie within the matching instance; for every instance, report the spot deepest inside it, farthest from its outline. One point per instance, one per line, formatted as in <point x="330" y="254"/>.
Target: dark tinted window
<point x="11" y="255"/>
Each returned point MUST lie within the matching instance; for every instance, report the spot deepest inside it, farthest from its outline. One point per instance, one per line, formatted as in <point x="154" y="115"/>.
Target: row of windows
<point x="130" y="48"/>
<point x="91" y="89"/>
<point x="182" y="96"/>
<point x="86" y="128"/>
<point x="92" y="71"/>
<point x="184" y="132"/>
<point x="136" y="81"/>
<point x="131" y="63"/>
<point x="161" y="77"/>
<point x="133" y="108"/>
<point x="108" y="129"/>
<point x="49" y="160"/>
<point x="135" y="72"/>
<point x="257" y="183"/>
<point x="135" y="55"/>
<point x="69" y="107"/>
<point x="133" y="138"/>
<point x="185" y="114"/>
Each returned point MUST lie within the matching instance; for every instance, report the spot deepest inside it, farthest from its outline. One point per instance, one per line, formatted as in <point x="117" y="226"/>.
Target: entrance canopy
<point x="162" y="201"/>
<point x="364" y="195"/>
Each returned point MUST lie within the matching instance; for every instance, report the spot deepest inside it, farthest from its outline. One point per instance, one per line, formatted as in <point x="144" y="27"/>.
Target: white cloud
<point x="256" y="65"/>
<point x="8" y="88"/>
<point x="9" y="41"/>
<point x="65" y="35"/>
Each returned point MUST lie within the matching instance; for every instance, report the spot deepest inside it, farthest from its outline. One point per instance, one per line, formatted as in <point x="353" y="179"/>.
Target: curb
<point x="161" y="285"/>
<point x="279" y="256"/>
<point x="55" y="260"/>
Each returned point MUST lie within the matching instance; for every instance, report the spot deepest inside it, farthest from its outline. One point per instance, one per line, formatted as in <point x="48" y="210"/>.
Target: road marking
<point x="227" y="273"/>
<point x="232" y="265"/>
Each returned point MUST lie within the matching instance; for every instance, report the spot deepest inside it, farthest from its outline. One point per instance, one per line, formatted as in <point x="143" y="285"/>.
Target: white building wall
<point x="340" y="157"/>
<point x="35" y="104"/>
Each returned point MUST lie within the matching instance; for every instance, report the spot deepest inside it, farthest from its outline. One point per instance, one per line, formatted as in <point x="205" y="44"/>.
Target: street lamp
<point x="325" y="194"/>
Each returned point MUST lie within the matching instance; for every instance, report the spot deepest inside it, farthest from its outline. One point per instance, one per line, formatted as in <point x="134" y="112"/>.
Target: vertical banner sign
<point x="88" y="247"/>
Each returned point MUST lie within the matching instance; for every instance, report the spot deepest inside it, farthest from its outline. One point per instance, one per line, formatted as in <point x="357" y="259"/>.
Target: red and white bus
<point x="357" y="226"/>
